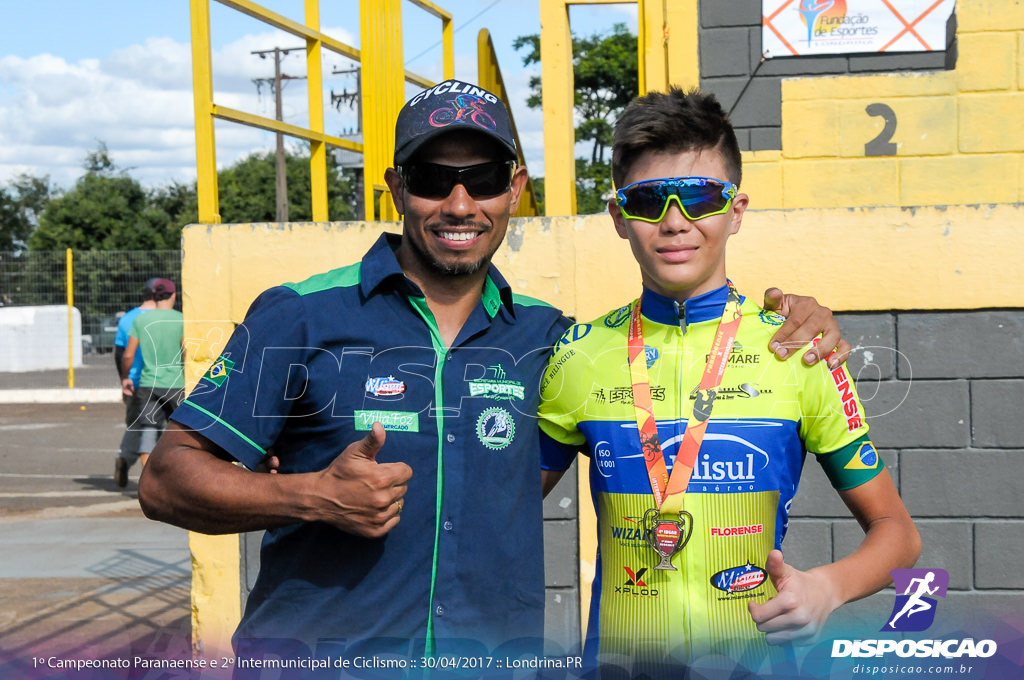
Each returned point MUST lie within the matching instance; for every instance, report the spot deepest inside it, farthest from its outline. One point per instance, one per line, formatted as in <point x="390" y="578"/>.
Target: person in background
<point x="128" y="454"/>
<point x="158" y="336"/>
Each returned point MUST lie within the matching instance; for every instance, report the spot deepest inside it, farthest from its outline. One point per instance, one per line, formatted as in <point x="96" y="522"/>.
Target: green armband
<point x="851" y="465"/>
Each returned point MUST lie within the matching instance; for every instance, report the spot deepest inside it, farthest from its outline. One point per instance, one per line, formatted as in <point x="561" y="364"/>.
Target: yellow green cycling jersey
<point x="767" y="415"/>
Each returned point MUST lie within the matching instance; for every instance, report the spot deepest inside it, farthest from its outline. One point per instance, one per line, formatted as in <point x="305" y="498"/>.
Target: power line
<point x="467" y="23"/>
<point x="281" y="177"/>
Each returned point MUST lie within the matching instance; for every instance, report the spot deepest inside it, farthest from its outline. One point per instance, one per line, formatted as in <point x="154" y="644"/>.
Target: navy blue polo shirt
<point x="309" y="370"/>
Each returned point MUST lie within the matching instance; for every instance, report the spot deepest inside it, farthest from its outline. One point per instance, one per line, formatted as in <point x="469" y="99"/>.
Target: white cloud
<point x="138" y="101"/>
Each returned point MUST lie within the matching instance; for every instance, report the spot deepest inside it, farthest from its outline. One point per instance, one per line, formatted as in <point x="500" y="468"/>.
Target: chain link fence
<point x="105" y="284"/>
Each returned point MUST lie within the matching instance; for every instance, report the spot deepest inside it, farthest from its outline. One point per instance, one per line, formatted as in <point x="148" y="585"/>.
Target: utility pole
<point x="354" y="100"/>
<point x="281" y="176"/>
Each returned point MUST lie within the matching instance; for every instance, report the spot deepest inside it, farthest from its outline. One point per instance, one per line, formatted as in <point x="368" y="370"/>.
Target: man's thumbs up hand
<point x="360" y="495"/>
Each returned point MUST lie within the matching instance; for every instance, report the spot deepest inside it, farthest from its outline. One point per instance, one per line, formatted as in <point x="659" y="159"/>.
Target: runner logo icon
<point x="914" y="610"/>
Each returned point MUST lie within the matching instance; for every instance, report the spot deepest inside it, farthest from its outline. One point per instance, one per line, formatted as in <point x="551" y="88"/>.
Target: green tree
<point x="606" y="78"/>
<point x="109" y="210"/>
<point x="169" y="209"/>
<point x="103" y="211"/>
<point x="593" y="186"/>
<point x="22" y="200"/>
<point x="247" y="189"/>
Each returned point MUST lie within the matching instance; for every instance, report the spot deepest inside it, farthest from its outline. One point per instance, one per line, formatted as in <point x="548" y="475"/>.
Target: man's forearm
<point x="186" y="484"/>
<point x="193" y="489"/>
<point x="126" y="365"/>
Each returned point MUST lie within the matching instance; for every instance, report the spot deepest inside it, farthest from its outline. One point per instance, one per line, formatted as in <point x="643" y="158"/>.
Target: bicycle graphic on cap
<point x="467" y="106"/>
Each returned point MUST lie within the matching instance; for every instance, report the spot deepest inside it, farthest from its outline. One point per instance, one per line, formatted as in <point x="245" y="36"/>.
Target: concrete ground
<point x="83" y="574"/>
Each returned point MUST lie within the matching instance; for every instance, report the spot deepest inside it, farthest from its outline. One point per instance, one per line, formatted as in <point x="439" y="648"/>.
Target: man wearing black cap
<point x="423" y="348"/>
<point x="157" y="335"/>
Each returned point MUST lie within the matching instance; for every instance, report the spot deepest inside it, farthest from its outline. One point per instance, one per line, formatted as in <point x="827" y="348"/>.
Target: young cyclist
<point x="696" y="435"/>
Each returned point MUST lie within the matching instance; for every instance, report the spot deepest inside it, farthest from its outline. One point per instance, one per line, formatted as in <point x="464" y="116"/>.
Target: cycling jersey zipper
<point x="682" y="398"/>
<point x="681" y="313"/>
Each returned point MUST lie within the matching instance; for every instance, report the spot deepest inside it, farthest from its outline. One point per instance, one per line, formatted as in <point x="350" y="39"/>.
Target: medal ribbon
<point x="668" y="492"/>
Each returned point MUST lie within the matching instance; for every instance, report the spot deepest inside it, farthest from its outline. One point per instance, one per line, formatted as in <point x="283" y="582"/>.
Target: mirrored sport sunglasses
<point x="429" y="180"/>
<point x="697" y="197"/>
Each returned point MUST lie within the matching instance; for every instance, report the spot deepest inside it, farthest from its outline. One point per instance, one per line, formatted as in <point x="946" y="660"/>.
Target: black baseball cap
<point x="451" y="105"/>
<point x="159" y="287"/>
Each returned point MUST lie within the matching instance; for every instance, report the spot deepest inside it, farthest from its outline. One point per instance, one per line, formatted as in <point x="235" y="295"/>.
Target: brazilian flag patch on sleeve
<point x="866" y="458"/>
<point x="219" y="371"/>
<point x="852" y="465"/>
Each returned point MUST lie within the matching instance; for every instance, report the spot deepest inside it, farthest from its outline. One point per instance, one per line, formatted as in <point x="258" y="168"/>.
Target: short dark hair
<point x="158" y="289"/>
<point x="674" y="122"/>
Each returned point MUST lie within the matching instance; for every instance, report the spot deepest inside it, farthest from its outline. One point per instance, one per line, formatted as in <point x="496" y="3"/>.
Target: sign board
<point x="792" y="28"/>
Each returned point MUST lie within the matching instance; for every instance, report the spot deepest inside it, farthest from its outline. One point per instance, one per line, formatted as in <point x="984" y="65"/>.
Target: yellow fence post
<point x="382" y="83"/>
<point x="651" y="45"/>
<point x="557" y="95"/>
<point x="315" y="90"/>
<point x="682" y="24"/>
<point x="202" y="89"/>
<point x="489" y="77"/>
<point x="448" y="47"/>
<point x="71" y="327"/>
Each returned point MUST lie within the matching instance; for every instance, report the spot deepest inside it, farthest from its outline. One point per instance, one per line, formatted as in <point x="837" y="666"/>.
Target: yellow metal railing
<point x="666" y="52"/>
<point x="383" y="78"/>
<point x="489" y="78"/>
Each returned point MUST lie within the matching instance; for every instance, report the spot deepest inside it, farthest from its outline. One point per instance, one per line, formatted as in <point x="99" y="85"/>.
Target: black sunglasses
<point x="430" y="180"/>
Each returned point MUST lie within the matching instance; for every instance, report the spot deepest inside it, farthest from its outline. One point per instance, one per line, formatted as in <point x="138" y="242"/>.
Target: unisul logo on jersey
<point x="741" y="468"/>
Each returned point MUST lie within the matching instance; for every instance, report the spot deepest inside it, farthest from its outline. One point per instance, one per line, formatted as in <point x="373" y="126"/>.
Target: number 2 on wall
<point x="880" y="145"/>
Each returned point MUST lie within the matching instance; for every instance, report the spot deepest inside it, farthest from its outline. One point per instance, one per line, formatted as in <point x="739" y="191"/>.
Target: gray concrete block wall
<point x="562" y="562"/>
<point x="944" y="393"/>
<point x="731" y="66"/>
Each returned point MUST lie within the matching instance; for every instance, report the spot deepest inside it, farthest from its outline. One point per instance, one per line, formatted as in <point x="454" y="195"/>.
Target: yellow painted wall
<point x="903" y="258"/>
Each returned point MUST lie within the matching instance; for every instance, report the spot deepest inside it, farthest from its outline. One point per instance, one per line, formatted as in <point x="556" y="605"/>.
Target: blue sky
<point x="74" y="73"/>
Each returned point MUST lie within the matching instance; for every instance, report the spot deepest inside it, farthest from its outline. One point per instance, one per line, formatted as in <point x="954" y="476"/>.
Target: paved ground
<point x="83" y="574"/>
<point x="97" y="370"/>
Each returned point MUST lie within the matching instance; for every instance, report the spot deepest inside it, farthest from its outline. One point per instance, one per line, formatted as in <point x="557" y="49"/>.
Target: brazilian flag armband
<point x="852" y="465"/>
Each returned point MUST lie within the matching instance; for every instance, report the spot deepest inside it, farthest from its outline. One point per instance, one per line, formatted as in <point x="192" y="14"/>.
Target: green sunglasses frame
<point x="729" y="191"/>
